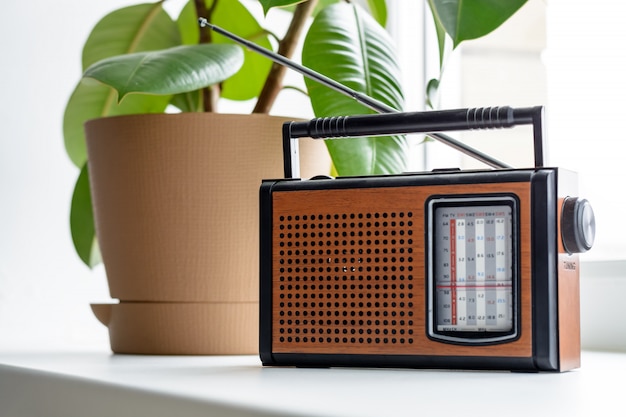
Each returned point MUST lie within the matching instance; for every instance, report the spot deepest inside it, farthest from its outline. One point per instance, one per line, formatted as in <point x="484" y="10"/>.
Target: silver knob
<point x="578" y="225"/>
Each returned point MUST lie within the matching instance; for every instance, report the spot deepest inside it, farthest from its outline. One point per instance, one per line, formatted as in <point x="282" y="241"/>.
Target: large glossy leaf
<point x="268" y="4"/>
<point x="171" y="71"/>
<point x="130" y="29"/>
<point x="347" y="45"/>
<point x="248" y="81"/>
<point x="465" y="20"/>
<point x="82" y="221"/>
<point x="142" y="27"/>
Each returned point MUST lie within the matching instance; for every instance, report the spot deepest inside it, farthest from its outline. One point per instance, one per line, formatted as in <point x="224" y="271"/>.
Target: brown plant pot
<point x="175" y="200"/>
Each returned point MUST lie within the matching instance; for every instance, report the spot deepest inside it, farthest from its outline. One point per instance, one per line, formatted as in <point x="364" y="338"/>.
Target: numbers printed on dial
<point x="473" y="267"/>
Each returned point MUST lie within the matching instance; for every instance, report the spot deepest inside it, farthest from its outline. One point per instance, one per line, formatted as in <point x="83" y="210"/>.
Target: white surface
<point x="97" y="383"/>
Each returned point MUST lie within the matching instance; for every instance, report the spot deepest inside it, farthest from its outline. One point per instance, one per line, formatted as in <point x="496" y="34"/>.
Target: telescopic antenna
<point x="367" y="101"/>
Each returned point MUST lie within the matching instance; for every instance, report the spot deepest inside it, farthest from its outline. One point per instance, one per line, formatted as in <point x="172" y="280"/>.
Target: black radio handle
<point x="430" y="122"/>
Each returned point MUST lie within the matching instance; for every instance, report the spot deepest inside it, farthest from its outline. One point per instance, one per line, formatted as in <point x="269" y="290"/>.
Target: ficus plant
<point x="140" y="59"/>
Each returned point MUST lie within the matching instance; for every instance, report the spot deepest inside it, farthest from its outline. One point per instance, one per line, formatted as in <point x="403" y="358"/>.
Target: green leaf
<point x="465" y="20"/>
<point x="96" y="100"/>
<point x="321" y="5"/>
<point x="144" y="27"/>
<point x="440" y="31"/>
<point x="188" y="102"/>
<point x="248" y="81"/>
<point x="130" y="29"/>
<point x="378" y="10"/>
<point x="82" y="221"/>
<point x="268" y="4"/>
<point x="349" y="46"/>
<point x="171" y="71"/>
<point x="432" y="91"/>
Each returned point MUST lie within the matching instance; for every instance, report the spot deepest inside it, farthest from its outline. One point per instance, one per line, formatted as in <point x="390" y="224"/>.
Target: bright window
<point x="586" y="63"/>
<point x="568" y="56"/>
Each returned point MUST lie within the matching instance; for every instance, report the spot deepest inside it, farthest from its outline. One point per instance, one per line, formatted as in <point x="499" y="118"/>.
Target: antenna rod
<point x="366" y="100"/>
<point x="373" y="104"/>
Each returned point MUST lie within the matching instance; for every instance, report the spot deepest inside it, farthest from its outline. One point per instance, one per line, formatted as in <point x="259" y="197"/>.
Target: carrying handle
<point x="429" y="122"/>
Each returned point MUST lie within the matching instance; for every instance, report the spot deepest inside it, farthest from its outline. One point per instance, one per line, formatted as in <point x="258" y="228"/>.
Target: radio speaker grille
<point x="344" y="280"/>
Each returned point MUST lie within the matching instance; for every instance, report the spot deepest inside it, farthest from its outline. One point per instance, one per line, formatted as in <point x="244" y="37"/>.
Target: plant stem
<point x="211" y="94"/>
<point x="286" y="47"/>
<point x="201" y="11"/>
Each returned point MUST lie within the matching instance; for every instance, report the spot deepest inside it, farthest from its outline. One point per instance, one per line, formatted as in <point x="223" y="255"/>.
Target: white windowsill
<point x="98" y="383"/>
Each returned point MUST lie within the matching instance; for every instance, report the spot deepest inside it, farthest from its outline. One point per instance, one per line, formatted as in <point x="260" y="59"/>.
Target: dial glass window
<point x="472" y="269"/>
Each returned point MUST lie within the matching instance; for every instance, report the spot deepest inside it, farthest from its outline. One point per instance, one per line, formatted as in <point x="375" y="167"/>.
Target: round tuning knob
<point x="578" y="225"/>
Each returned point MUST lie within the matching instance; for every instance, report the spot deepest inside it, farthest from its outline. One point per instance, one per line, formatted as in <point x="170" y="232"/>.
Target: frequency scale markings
<point x="453" y="272"/>
<point x="474" y="286"/>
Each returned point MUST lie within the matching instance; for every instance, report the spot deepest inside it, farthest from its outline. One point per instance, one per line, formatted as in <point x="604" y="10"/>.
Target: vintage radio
<point x="445" y="269"/>
<point x="451" y="269"/>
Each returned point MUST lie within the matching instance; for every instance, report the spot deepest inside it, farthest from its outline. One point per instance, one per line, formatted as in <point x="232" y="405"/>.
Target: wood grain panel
<point x="349" y="271"/>
<point x="568" y="294"/>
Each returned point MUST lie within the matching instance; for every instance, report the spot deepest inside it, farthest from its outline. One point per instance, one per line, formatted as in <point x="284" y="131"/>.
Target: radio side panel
<point x="568" y="284"/>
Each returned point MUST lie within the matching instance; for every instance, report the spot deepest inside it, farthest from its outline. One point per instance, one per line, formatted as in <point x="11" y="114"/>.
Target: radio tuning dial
<point x="578" y="225"/>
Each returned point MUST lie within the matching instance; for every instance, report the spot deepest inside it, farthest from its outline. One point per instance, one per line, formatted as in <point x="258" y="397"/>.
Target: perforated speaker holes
<point x="345" y="278"/>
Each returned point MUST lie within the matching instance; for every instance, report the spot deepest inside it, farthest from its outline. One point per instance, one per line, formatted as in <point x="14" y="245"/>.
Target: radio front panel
<point x="351" y="277"/>
<point x="456" y="270"/>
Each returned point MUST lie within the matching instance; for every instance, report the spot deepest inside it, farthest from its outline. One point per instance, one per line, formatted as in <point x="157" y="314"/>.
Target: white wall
<point x="45" y="290"/>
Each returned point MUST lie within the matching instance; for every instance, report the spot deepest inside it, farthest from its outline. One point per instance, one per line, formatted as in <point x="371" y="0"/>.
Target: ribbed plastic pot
<point x="175" y="200"/>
